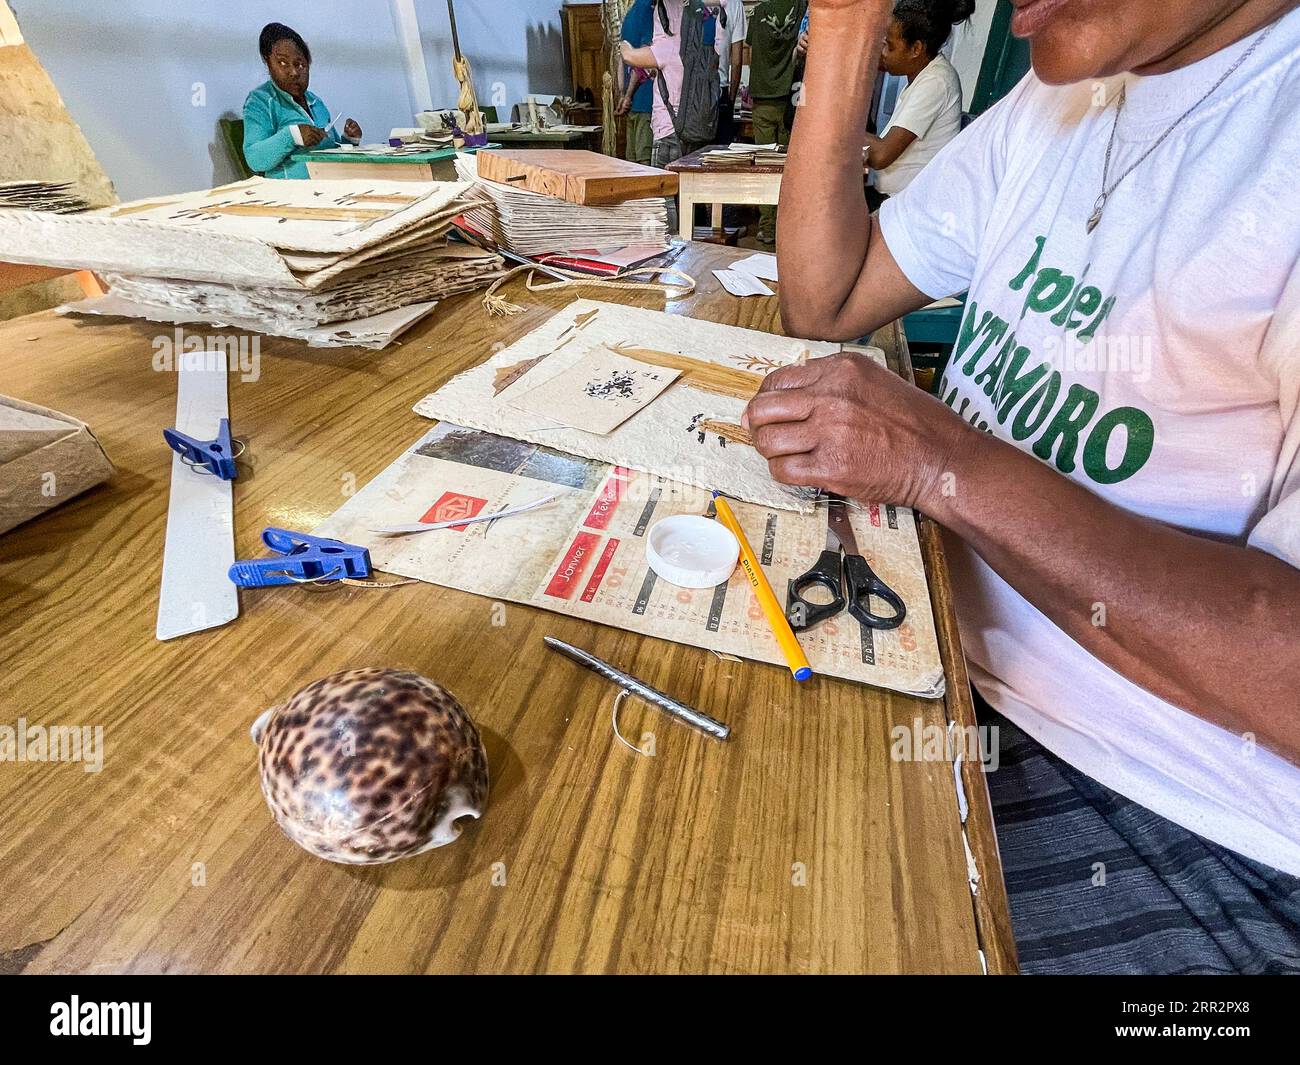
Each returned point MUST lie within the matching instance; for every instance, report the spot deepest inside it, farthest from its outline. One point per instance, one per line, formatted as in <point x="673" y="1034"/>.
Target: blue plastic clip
<point x="216" y="456"/>
<point x="301" y="559"/>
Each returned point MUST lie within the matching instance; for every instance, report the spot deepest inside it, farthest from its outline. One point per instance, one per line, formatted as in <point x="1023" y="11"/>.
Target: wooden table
<point x="721" y="185"/>
<point x="436" y="165"/>
<point x="797" y="846"/>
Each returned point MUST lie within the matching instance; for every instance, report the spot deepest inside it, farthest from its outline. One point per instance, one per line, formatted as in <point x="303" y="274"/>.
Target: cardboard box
<point x="46" y="458"/>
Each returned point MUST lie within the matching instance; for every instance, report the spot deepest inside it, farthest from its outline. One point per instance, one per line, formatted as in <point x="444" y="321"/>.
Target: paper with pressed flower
<point x="690" y="433"/>
<point x="598" y="393"/>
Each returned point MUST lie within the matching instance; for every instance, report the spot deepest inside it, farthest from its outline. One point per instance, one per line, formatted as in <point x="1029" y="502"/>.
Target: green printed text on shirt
<point x="1067" y="429"/>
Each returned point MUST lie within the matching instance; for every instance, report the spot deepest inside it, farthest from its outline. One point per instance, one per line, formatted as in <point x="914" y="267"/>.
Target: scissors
<point x="847" y="576"/>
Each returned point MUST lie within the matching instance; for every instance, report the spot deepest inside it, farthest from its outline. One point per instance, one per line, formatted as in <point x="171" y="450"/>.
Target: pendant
<point x="1095" y="218"/>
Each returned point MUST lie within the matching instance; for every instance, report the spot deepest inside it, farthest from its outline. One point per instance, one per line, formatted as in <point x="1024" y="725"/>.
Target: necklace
<point x="1107" y="188"/>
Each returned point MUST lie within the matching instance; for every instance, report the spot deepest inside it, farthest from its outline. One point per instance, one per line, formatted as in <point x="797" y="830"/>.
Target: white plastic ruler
<point x="197" y="593"/>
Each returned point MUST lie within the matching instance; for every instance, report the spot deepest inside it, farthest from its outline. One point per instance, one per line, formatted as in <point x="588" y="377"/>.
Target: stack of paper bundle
<point x="745" y="155"/>
<point x="53" y="196"/>
<point x="529" y="223"/>
<point x="333" y="262"/>
<point x="429" y="139"/>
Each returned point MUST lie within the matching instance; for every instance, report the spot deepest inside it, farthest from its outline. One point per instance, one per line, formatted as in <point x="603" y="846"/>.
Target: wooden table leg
<point x="686" y="207"/>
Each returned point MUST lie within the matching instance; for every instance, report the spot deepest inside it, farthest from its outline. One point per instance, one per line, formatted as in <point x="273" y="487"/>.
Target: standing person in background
<point x="638" y="94"/>
<point x="685" y="115"/>
<point x="733" y="28"/>
<point x="928" y="113"/>
<point x="773" y="37"/>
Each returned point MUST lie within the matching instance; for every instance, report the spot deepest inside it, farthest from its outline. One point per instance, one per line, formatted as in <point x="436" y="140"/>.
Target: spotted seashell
<point x="371" y="765"/>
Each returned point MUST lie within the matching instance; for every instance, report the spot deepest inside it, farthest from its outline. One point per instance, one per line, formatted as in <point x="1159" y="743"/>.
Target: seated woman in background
<point x="928" y="113"/>
<point x="282" y="120"/>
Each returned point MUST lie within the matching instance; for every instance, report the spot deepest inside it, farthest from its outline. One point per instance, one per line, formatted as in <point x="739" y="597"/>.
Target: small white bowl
<point x="691" y="551"/>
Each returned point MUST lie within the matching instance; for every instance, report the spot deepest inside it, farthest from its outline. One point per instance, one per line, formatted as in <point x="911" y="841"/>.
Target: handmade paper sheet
<point x="691" y="433"/>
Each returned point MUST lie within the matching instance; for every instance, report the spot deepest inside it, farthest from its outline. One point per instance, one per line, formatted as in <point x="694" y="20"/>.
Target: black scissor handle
<point x="862" y="585"/>
<point x="826" y="574"/>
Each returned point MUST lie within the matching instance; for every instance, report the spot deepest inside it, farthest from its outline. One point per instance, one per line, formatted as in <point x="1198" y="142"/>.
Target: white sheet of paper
<point x="599" y="392"/>
<point x="740" y="283"/>
<point x="761" y="265"/>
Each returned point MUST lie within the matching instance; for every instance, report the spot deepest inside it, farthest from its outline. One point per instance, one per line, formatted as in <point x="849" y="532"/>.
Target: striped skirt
<point x="1099" y="884"/>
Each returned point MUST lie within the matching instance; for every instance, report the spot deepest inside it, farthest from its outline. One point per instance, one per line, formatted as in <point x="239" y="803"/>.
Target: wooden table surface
<point x="797" y="846"/>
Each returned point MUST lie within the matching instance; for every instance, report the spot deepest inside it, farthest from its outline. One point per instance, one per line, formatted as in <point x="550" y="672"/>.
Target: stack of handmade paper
<point x="529" y="223"/>
<point x="744" y="155"/>
<point x="332" y="262"/>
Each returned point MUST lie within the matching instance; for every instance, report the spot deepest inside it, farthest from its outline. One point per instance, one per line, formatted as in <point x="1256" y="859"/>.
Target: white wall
<point x="127" y="69"/>
<point x="968" y="44"/>
<point x="515" y="47"/>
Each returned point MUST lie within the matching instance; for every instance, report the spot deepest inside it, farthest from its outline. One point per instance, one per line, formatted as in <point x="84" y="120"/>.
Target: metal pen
<point x="667" y="703"/>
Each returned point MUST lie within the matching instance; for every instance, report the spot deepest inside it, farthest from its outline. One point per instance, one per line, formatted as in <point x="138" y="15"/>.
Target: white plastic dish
<point x="691" y="551"/>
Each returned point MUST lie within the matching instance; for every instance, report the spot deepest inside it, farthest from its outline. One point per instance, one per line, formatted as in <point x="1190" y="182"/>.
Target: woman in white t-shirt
<point x="928" y="112"/>
<point x="1114" y="450"/>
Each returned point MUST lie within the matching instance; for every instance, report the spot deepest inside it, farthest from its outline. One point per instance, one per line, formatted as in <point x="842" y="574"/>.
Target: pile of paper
<point x="744" y="155"/>
<point x="528" y="223"/>
<point x="542" y="113"/>
<point x="430" y="139"/>
<point x="319" y="260"/>
<point x="53" y="196"/>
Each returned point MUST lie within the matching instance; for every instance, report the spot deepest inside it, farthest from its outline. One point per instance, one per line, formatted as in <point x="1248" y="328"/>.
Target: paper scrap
<point x="761" y="265"/>
<point x="739" y="283"/>
<point x="599" y="392"/>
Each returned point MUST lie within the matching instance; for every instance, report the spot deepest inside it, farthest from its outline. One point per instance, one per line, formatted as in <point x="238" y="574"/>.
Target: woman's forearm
<point x="268" y="151"/>
<point x="885" y="151"/>
<point x="823" y="227"/>
<point x="1213" y="628"/>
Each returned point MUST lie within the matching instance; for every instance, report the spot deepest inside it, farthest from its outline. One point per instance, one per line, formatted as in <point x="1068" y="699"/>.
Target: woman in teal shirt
<point x="282" y="120"/>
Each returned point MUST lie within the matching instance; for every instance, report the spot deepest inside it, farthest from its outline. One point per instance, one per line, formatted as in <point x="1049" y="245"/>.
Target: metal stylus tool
<point x="667" y="703"/>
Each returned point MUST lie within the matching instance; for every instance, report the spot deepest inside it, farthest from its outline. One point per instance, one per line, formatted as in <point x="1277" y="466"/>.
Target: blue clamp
<point x="301" y="559"/>
<point x="216" y="456"/>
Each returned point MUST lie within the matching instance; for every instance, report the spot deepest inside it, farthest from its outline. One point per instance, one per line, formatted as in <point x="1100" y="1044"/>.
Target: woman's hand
<point x="624" y="106"/>
<point x="847" y="425"/>
<point x="351" y="130"/>
<point x="801" y="48"/>
<point x="311" y="135"/>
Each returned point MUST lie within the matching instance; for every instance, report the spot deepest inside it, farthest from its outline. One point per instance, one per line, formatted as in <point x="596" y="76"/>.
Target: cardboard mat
<point x="584" y="553"/>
